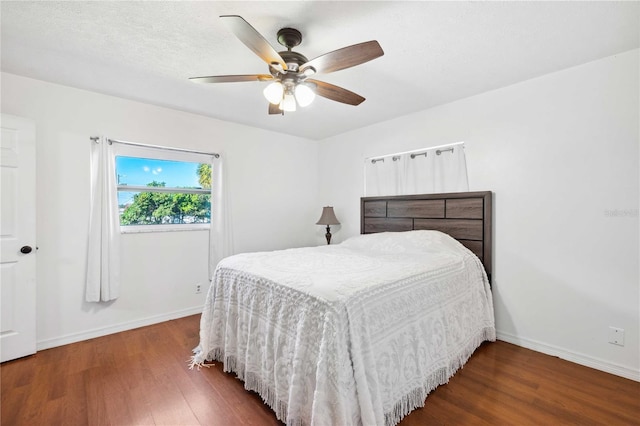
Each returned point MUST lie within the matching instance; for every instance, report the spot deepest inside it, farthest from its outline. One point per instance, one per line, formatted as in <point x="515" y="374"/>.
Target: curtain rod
<point x="415" y="153"/>
<point x="143" y="145"/>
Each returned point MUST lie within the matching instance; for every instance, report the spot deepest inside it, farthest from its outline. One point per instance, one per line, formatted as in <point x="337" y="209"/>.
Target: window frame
<point x="160" y="154"/>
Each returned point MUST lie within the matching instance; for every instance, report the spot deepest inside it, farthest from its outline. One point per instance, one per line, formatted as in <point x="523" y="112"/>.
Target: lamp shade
<point x="304" y="94"/>
<point x="274" y="92"/>
<point x="328" y="217"/>
<point x="288" y="103"/>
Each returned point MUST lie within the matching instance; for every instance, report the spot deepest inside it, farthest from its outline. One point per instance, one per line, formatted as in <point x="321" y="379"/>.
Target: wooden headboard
<point x="466" y="216"/>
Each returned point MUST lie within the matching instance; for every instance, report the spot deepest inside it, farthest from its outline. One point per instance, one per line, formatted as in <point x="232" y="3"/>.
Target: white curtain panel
<point x="220" y="233"/>
<point x="103" y="254"/>
<point x="384" y="176"/>
<point x="434" y="173"/>
<point x="400" y="174"/>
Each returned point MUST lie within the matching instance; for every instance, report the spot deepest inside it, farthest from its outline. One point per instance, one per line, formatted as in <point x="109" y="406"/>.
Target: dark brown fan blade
<point x="346" y="57"/>
<point x="275" y="109"/>
<point x="253" y="40"/>
<point x="232" y="78"/>
<point x="336" y="93"/>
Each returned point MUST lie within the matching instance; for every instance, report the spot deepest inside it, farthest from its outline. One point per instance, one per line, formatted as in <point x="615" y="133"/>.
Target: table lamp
<point x="328" y="218"/>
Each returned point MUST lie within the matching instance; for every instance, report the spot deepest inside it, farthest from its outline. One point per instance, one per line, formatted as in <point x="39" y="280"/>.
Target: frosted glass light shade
<point x="273" y="92"/>
<point x="288" y="103"/>
<point x="304" y="95"/>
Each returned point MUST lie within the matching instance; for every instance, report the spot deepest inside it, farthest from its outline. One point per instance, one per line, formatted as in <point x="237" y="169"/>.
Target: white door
<point x="17" y="237"/>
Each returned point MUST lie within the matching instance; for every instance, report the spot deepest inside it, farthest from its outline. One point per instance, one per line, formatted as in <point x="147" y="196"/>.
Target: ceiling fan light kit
<point x="289" y="71"/>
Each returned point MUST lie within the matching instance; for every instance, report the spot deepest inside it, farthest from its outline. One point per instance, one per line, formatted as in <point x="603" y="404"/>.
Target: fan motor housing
<point x="290" y="37"/>
<point x="293" y="59"/>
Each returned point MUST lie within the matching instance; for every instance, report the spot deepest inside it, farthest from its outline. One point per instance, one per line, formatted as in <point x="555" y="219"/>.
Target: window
<point x="157" y="194"/>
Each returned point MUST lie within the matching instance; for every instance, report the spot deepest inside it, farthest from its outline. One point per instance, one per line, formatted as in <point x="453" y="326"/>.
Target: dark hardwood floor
<point x="141" y="377"/>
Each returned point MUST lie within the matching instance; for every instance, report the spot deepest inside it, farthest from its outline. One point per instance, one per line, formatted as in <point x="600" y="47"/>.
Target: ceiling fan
<point x="289" y="71"/>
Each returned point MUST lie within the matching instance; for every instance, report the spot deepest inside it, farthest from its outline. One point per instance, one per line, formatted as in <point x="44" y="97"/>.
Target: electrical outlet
<point x="616" y="336"/>
<point x="198" y="288"/>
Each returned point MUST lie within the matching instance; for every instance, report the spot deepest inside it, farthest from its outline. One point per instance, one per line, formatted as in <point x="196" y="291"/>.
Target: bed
<point x="358" y="333"/>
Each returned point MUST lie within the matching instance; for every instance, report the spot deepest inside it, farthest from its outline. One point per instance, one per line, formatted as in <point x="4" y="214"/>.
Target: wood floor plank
<point x="443" y="412"/>
<point x="94" y="397"/>
<point x="496" y="406"/>
<point x="243" y="404"/>
<point x="203" y="399"/>
<point x="12" y="403"/>
<point x="141" y="377"/>
<point x="169" y="406"/>
<point x="74" y="413"/>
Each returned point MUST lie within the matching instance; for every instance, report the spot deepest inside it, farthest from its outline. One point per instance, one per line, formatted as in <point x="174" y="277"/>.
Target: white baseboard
<point x="116" y="328"/>
<point x="577" y="358"/>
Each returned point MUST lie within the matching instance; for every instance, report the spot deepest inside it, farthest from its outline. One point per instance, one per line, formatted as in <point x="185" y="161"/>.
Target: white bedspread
<point x="349" y="334"/>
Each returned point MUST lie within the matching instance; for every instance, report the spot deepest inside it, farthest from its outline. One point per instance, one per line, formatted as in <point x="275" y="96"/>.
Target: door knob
<point x="25" y="249"/>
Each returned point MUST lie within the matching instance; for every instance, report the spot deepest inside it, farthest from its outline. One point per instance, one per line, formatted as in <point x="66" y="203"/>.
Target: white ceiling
<point x="435" y="52"/>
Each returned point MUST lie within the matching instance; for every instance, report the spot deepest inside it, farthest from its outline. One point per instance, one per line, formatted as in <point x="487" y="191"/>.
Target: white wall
<point x="273" y="191"/>
<point x="559" y="152"/>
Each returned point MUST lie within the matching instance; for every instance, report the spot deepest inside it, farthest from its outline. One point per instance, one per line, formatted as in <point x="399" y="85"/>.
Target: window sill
<point x="141" y="229"/>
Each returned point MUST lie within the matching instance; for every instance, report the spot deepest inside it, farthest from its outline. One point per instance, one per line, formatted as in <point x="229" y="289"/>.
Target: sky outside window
<point x="135" y="171"/>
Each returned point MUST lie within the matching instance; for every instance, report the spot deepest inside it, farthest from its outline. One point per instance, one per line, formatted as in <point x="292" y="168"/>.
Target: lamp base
<point x="328" y="235"/>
